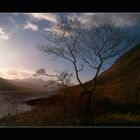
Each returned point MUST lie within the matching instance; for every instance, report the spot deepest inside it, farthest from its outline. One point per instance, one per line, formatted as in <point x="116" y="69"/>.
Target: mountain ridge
<point x="5" y="85"/>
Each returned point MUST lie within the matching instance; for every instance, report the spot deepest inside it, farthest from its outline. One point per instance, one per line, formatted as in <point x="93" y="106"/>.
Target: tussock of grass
<point x="118" y="119"/>
<point x="43" y="116"/>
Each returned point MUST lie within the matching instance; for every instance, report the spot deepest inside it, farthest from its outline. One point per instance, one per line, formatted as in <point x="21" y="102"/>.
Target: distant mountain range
<point x="5" y="85"/>
<point x="34" y="84"/>
<point x="28" y="84"/>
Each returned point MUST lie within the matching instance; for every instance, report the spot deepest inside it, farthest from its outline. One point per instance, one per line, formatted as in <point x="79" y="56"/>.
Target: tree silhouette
<point x="83" y="47"/>
<point x="64" y="78"/>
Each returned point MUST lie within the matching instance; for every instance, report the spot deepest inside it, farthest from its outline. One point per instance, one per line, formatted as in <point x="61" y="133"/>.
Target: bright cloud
<point x="3" y="35"/>
<point x="31" y="26"/>
<point x="56" y="31"/>
<point x="15" y="74"/>
<point x="44" y="16"/>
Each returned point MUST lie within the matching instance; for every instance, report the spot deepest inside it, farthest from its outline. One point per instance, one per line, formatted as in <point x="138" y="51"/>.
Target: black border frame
<point x="69" y="6"/>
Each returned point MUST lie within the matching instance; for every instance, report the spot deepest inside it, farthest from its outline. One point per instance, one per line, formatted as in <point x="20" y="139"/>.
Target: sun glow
<point x="15" y="73"/>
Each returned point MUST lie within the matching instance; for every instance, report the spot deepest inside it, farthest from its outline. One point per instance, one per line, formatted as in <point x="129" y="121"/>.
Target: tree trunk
<point x="64" y="104"/>
<point x="90" y="93"/>
<point x="64" y="108"/>
<point x="88" y="104"/>
<point x="88" y="117"/>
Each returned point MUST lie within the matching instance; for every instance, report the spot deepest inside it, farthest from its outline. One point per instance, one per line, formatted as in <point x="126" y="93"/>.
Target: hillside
<point x="122" y="80"/>
<point x="127" y="66"/>
<point x="5" y="85"/>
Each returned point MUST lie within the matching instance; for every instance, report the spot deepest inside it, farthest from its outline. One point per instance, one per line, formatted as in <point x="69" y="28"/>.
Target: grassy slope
<point x="121" y="80"/>
<point x="127" y="65"/>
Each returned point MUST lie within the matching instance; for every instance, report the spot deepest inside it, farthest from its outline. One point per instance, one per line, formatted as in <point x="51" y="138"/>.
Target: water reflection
<point x="12" y="102"/>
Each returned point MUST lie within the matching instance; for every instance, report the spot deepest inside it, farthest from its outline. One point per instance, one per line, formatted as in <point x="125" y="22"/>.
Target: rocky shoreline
<point x="48" y="101"/>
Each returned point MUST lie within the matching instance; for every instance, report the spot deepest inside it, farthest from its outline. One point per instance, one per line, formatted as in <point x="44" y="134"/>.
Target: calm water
<point x="11" y="102"/>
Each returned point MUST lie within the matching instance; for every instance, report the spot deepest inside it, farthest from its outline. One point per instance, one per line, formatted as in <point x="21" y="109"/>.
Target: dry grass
<point x="118" y="119"/>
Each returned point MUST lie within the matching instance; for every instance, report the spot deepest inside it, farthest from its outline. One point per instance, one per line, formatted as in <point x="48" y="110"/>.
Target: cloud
<point x="15" y="73"/>
<point x="12" y="72"/>
<point x="88" y="19"/>
<point x="56" y="31"/>
<point x="84" y="18"/>
<point x="122" y="20"/>
<point x="31" y="26"/>
<point x="3" y="35"/>
<point x="44" y="16"/>
<point x="126" y="20"/>
<point x="14" y="22"/>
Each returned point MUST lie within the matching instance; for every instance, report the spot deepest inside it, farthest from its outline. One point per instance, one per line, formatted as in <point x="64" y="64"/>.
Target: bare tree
<point x="64" y="78"/>
<point x="104" y="41"/>
<point x="87" y="46"/>
<point x="53" y="85"/>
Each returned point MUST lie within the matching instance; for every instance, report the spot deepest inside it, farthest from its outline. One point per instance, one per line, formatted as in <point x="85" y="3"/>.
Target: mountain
<point x="5" y="85"/>
<point x="122" y="80"/>
<point x="35" y="84"/>
<point x="127" y="66"/>
<point x="29" y="83"/>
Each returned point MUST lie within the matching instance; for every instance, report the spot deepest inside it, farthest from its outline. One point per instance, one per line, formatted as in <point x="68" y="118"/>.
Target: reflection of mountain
<point x="5" y="85"/>
<point x="34" y="84"/>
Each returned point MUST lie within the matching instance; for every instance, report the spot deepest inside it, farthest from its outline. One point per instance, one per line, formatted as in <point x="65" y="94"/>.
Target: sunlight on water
<point x="13" y="102"/>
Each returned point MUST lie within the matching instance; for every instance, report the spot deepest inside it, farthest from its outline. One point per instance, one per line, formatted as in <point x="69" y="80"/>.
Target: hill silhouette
<point x="5" y="85"/>
<point x="34" y="84"/>
<point x="28" y="84"/>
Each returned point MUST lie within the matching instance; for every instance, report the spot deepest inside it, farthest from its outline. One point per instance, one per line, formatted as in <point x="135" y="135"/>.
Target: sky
<point x="21" y="32"/>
